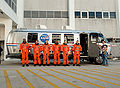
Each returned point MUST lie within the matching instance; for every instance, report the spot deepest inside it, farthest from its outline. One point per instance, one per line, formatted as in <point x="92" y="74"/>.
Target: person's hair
<point x="102" y="40"/>
<point x="37" y="40"/>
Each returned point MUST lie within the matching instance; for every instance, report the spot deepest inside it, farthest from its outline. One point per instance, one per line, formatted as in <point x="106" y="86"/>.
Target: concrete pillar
<point x="118" y="17"/>
<point x="8" y="28"/>
<point x="71" y="14"/>
<point x="20" y="13"/>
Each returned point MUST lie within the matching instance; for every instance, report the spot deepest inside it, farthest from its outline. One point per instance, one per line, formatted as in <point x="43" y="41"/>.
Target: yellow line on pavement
<point x="8" y="85"/>
<point x="28" y="83"/>
<point x="107" y="71"/>
<point x="111" y="70"/>
<point x="78" y="79"/>
<point x="105" y="74"/>
<point x="96" y="75"/>
<point x="60" y="79"/>
<point x="55" y="86"/>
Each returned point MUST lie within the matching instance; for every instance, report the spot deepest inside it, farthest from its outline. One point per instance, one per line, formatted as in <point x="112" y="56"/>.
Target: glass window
<point x="7" y="1"/>
<point x="49" y="14"/>
<point x="27" y="14"/>
<point x="98" y="14"/>
<point x="56" y="37"/>
<point x="64" y="14"/>
<point x="77" y="14"/>
<point x="42" y="14"/>
<point x="32" y="37"/>
<point x="34" y="14"/>
<point x="84" y="14"/>
<point x="13" y="5"/>
<point x="10" y="3"/>
<point x="112" y="14"/>
<point x="91" y="14"/>
<point x="105" y="15"/>
<point x="69" y="38"/>
<point x="57" y="14"/>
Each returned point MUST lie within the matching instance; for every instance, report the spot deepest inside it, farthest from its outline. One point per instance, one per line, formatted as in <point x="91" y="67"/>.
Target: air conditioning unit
<point x="41" y="27"/>
<point x="66" y="28"/>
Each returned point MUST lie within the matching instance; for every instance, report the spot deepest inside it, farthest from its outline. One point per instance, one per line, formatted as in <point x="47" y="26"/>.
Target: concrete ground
<point x="13" y="75"/>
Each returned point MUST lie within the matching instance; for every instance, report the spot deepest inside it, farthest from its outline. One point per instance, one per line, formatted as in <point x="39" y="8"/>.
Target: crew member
<point x="36" y="53"/>
<point x="46" y="48"/>
<point x="65" y="49"/>
<point x="76" y="49"/>
<point x="56" y="50"/>
<point x="24" y="46"/>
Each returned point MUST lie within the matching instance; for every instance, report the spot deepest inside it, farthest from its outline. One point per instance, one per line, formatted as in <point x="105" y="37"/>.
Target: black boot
<point x="34" y="65"/>
<point x="68" y="65"/>
<point x="27" y="65"/>
<point x="39" y="64"/>
<point x="23" y="65"/>
<point x="78" y="65"/>
<point x="73" y="64"/>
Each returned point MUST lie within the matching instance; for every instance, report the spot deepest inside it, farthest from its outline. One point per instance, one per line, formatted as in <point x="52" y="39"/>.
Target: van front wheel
<point x="99" y="60"/>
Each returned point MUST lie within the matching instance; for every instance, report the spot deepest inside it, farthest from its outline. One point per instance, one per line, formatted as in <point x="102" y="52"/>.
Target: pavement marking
<point x="28" y="83"/>
<point x="77" y="79"/>
<point x="107" y="71"/>
<point x="87" y="76"/>
<point x="105" y="74"/>
<point x="111" y="70"/>
<point x="8" y="84"/>
<point x="55" y="86"/>
<point x="96" y="75"/>
<point x="60" y="79"/>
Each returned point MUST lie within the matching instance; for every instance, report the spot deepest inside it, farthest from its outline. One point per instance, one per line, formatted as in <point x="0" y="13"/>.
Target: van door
<point x="93" y="49"/>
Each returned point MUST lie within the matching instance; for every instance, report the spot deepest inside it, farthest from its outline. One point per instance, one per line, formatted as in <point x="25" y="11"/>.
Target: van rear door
<point x="93" y="49"/>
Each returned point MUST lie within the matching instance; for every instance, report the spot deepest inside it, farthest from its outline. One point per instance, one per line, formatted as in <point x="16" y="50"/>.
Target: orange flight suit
<point x="25" y="51"/>
<point x="77" y="48"/>
<point x="65" y="49"/>
<point x="36" y="53"/>
<point x="46" y="49"/>
<point x="56" y="50"/>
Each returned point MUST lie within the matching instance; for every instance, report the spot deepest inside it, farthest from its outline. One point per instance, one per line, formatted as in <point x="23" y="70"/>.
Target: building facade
<point x="11" y="17"/>
<point x="98" y="15"/>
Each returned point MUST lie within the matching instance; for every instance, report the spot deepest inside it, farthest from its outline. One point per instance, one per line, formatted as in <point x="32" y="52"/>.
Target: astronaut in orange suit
<point x="36" y="53"/>
<point x="56" y="50"/>
<point x="76" y="49"/>
<point x="46" y="48"/>
<point x="65" y="49"/>
<point x="24" y="47"/>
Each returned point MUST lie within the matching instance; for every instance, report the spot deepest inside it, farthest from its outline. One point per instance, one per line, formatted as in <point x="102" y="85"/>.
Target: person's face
<point x="103" y="42"/>
<point x="36" y="42"/>
<point x="46" y="41"/>
<point x="56" y="41"/>
<point x="24" y="40"/>
<point x="65" y="42"/>
<point x="77" y="42"/>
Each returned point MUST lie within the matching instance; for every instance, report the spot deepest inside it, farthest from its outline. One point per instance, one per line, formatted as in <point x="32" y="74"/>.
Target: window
<point x="49" y="14"/>
<point x="57" y="14"/>
<point x="10" y="3"/>
<point x="93" y="37"/>
<point x="27" y="14"/>
<point x="112" y="14"/>
<point x="105" y="15"/>
<point x="64" y="14"/>
<point x="84" y="14"/>
<point x="91" y="14"/>
<point x="13" y="5"/>
<point x="98" y="14"/>
<point x="42" y="14"/>
<point x="34" y="14"/>
<point x="77" y="14"/>
<point x="69" y="38"/>
<point x="32" y="37"/>
<point x="56" y="37"/>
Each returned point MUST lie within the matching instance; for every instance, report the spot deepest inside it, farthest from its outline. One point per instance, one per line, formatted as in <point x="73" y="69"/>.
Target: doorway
<point x="84" y="44"/>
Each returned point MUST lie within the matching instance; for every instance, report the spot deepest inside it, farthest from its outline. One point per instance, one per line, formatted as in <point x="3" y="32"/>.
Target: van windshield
<point x="101" y="37"/>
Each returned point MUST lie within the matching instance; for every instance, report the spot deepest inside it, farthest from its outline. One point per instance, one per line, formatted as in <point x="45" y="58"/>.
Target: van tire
<point x="99" y="60"/>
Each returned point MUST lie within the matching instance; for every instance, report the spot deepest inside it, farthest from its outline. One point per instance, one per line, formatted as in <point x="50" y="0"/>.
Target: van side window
<point x="69" y="38"/>
<point x="32" y="37"/>
<point x="56" y="37"/>
<point x="94" y="37"/>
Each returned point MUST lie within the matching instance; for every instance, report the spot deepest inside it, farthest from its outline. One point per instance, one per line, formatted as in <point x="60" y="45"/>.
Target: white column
<point x="8" y="28"/>
<point x="118" y="17"/>
<point x="20" y="13"/>
<point x="71" y="14"/>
